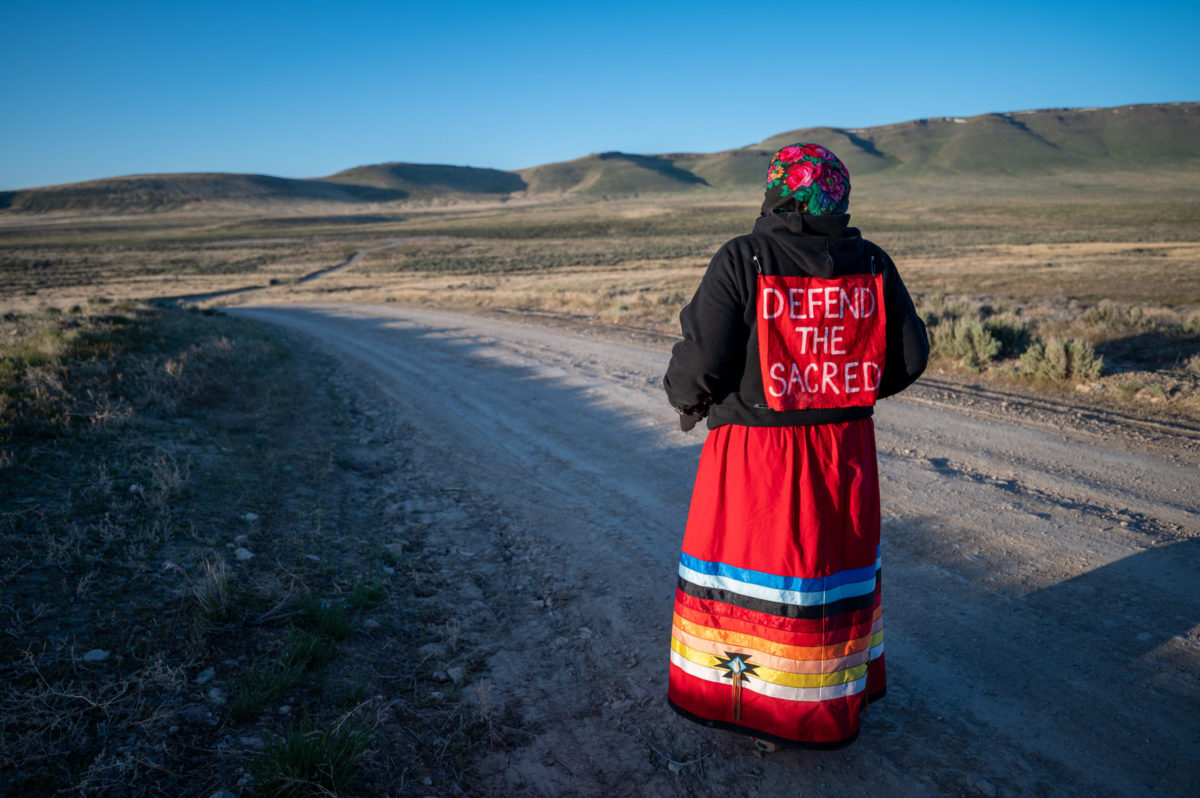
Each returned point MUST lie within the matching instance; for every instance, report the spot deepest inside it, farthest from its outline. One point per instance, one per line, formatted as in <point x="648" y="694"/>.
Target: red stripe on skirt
<point x="793" y="631"/>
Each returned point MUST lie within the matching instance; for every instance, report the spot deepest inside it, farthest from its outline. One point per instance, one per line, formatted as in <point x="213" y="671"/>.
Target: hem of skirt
<point x="761" y="735"/>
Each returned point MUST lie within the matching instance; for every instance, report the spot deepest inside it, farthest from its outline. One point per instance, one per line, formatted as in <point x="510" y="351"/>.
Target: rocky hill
<point x="1142" y="137"/>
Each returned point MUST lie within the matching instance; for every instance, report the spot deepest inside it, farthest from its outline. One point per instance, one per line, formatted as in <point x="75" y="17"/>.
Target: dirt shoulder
<point x="216" y="570"/>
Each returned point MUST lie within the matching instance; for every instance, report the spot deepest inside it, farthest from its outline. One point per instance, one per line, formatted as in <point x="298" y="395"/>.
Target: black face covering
<point x="774" y="203"/>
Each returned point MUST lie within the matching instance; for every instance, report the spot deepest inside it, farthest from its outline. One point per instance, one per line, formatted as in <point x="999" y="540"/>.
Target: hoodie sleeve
<point x="907" y="342"/>
<point x="707" y="363"/>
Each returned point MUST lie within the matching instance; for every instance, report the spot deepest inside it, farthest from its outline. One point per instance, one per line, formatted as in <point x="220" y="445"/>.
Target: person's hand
<point x="690" y="415"/>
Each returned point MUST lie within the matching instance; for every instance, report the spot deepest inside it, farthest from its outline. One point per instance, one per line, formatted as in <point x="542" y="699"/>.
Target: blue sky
<point x="304" y="89"/>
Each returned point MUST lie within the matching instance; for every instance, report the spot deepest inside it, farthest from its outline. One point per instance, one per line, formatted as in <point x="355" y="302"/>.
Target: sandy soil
<point x="1041" y="566"/>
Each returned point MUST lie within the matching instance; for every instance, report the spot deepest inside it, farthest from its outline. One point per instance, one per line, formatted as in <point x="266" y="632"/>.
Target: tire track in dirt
<point x="1043" y="626"/>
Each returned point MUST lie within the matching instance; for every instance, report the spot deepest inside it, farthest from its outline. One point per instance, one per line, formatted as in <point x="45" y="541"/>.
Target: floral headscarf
<point x="807" y="178"/>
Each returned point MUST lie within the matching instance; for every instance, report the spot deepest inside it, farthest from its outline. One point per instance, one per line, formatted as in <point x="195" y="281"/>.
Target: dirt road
<point x="1042" y="575"/>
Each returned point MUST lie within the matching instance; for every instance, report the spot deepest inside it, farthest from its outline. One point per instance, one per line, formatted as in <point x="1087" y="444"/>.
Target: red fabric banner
<point x="821" y="343"/>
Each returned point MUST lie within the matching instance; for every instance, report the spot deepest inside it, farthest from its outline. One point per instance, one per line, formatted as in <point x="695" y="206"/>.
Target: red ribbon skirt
<point x="777" y="630"/>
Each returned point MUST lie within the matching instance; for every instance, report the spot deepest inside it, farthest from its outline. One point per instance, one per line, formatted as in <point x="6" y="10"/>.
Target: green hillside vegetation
<point x="1162" y="137"/>
<point x="611" y="174"/>
<point x="430" y="179"/>
<point x="1019" y="143"/>
<point x="729" y="170"/>
<point x="174" y="191"/>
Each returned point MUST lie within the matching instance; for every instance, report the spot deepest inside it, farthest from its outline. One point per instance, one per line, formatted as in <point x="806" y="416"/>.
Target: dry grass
<point x="1052" y="247"/>
<point x="1115" y="352"/>
<point x="140" y="450"/>
<point x="72" y="273"/>
<point x="1166" y="273"/>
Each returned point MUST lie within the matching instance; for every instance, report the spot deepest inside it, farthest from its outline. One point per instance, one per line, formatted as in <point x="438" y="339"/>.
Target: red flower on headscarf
<point x="802" y="174"/>
<point x="833" y="184"/>
<point x="787" y="154"/>
<point x="818" y="151"/>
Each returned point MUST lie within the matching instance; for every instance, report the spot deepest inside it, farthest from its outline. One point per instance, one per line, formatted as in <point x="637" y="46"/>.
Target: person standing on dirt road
<point x="795" y="331"/>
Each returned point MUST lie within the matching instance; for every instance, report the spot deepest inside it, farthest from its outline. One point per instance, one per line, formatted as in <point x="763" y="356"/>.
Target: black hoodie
<point x="715" y="366"/>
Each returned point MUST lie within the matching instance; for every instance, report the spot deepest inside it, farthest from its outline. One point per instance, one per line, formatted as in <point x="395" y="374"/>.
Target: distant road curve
<point x="191" y="299"/>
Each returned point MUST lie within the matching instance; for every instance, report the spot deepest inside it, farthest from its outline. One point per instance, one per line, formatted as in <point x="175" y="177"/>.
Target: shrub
<point x="329" y="618"/>
<point x="1013" y="334"/>
<point x="1110" y="315"/>
<point x="967" y="341"/>
<point x="1061" y="361"/>
<point x="365" y="596"/>
<point x="260" y="684"/>
<point x="308" y="760"/>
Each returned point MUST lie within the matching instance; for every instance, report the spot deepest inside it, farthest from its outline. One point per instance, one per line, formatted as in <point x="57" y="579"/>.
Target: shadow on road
<point x="1127" y="607"/>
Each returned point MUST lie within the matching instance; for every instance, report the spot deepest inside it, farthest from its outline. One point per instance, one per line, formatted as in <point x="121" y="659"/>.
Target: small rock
<point x="250" y="517"/>
<point x="197" y="713"/>
<point x="1148" y="395"/>
<point x="285" y="710"/>
<point x="253" y="742"/>
<point x="441" y="676"/>
<point x="456" y="674"/>
<point x="223" y="794"/>
<point x="241" y="539"/>
<point x="585" y="632"/>
<point x="432" y="651"/>
<point x="243" y="553"/>
<point x="172" y="729"/>
<point x="217" y="696"/>
<point x="387" y="569"/>
<point x="371" y="624"/>
<point x="437" y="694"/>
<point x="396" y="548"/>
<point x="205" y="675"/>
<point x="985" y="787"/>
<point x="428" y="782"/>
<point x="96" y="655"/>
